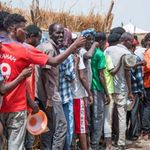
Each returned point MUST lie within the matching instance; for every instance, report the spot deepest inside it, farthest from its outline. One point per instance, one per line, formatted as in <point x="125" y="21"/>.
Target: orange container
<point x="37" y="123"/>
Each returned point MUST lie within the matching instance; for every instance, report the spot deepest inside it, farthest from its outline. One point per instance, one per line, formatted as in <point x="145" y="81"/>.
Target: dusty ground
<point x="140" y="145"/>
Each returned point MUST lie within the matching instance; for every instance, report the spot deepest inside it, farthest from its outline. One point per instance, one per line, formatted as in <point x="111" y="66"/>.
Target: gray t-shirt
<point x="120" y="85"/>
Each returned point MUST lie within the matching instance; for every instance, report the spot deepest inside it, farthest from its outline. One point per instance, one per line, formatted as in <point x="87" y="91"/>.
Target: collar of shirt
<point x="54" y="44"/>
<point x="122" y="46"/>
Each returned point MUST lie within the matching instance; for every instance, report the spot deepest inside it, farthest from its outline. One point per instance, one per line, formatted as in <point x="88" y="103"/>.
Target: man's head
<point x="127" y="40"/>
<point x="118" y="30"/>
<point x="101" y="39"/>
<point x="3" y="16"/>
<point x="33" y="35"/>
<point x="56" y="33"/>
<point x="113" y="39"/>
<point x="89" y="41"/>
<point x="115" y="35"/>
<point x="147" y="40"/>
<point x="89" y="34"/>
<point x="15" y="25"/>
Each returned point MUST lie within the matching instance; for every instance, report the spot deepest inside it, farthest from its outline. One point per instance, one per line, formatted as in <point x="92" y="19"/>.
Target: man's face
<point x="34" y="40"/>
<point x="129" y="43"/>
<point x="38" y="39"/>
<point x="58" y="35"/>
<point x="19" y="32"/>
<point x="89" y="42"/>
<point x="102" y="44"/>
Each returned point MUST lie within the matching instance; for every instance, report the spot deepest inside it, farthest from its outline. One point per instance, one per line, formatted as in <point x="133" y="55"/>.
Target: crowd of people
<point x="81" y="81"/>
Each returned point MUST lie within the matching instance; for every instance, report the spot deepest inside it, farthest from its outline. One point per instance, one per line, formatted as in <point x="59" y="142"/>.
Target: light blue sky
<point x="134" y="11"/>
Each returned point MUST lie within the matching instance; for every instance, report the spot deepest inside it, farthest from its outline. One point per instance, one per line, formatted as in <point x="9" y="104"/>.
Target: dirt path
<point x="140" y="145"/>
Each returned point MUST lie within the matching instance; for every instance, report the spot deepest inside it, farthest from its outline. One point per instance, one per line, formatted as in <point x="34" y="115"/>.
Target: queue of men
<point x="80" y="81"/>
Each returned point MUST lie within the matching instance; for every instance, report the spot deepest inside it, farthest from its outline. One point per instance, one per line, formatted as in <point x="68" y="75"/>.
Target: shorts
<point x="80" y="116"/>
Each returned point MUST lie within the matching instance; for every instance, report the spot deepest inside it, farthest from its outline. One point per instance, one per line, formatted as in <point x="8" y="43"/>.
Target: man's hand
<point x="26" y="72"/>
<point x="144" y="63"/>
<point x="107" y="99"/>
<point x="90" y="99"/>
<point x="141" y="95"/>
<point x="35" y="108"/>
<point x="48" y="105"/>
<point x="95" y="44"/>
<point x="131" y="97"/>
<point x="79" y="42"/>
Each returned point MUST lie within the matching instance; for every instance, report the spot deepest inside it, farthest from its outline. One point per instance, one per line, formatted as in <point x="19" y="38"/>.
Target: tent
<point x="133" y="29"/>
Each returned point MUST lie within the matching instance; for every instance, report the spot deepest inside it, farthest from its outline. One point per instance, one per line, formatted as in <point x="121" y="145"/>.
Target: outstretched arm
<point x="54" y="61"/>
<point x="32" y="104"/>
<point x="90" y="52"/>
<point x="116" y="69"/>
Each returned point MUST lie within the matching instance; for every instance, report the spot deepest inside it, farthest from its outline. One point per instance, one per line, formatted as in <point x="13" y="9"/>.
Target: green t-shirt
<point x="97" y="63"/>
<point x="108" y="76"/>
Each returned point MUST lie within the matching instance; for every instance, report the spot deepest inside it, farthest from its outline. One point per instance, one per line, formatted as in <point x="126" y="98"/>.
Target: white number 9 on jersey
<point x="5" y="70"/>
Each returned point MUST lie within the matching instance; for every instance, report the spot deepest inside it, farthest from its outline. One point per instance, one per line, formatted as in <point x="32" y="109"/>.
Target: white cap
<point x="130" y="60"/>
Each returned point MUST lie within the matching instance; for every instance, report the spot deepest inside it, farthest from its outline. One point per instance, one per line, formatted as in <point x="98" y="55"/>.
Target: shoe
<point x="133" y="138"/>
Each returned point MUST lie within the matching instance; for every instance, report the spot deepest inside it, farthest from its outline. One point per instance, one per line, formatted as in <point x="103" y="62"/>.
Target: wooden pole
<point x="108" y="16"/>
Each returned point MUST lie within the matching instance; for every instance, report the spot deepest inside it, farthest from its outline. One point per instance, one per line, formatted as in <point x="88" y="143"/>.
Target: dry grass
<point x="43" y="18"/>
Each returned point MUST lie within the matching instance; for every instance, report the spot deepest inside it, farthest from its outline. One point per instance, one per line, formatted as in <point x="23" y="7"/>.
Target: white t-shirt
<point x="78" y="89"/>
<point x="115" y="53"/>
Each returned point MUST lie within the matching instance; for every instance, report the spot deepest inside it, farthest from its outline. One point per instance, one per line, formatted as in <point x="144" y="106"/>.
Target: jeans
<point x="146" y="113"/>
<point x="55" y="138"/>
<point x="14" y="124"/>
<point x="140" y="118"/>
<point x="97" y="119"/>
<point x="29" y="140"/>
<point x="68" y="110"/>
<point x="132" y="119"/>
